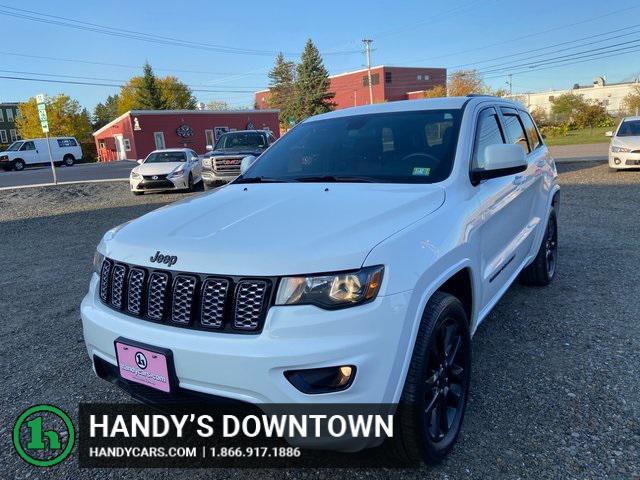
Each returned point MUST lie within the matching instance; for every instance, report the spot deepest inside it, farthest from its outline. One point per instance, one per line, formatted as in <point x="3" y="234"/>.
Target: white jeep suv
<point x="352" y="262"/>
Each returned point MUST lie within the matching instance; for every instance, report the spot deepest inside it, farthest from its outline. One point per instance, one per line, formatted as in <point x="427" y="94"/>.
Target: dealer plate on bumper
<point x="144" y="366"/>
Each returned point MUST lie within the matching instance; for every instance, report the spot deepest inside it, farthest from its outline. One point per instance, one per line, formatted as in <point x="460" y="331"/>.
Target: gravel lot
<point x="556" y="382"/>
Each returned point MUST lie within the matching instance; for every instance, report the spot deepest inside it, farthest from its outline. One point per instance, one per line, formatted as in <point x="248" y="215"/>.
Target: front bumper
<point x="142" y="185"/>
<point x="210" y="176"/>
<point x="624" y="160"/>
<point x="251" y="368"/>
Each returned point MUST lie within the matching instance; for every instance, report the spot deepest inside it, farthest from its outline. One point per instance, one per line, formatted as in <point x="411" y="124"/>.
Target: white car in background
<point x="624" y="151"/>
<point x="35" y="151"/>
<point x="169" y="169"/>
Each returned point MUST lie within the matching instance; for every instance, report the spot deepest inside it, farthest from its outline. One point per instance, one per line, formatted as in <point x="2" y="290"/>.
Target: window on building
<point x="209" y="138"/>
<point x="9" y="115"/>
<point x="551" y="98"/>
<point x="375" y="79"/>
<point x="127" y="144"/>
<point x="1" y="116"/>
<point x="488" y="133"/>
<point x="13" y="134"/>
<point x="102" y="144"/>
<point x="3" y="136"/>
<point x="419" y="77"/>
<point x="387" y="140"/>
<point x="514" y="128"/>
<point x="387" y="77"/>
<point x="532" y="133"/>
<point x="158" y="138"/>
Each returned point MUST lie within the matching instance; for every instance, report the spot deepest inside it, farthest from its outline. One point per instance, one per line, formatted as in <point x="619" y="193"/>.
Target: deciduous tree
<point x="631" y="102"/>
<point x="65" y="115"/>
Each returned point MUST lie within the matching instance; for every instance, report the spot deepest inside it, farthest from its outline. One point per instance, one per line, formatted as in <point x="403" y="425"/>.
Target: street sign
<point x="42" y="114"/>
<point x="44" y="123"/>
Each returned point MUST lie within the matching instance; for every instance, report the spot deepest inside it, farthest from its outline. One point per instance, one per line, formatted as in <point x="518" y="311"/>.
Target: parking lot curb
<point x="34" y="185"/>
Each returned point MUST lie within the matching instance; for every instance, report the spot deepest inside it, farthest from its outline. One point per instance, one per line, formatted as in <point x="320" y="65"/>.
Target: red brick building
<point x="136" y="133"/>
<point x="389" y="83"/>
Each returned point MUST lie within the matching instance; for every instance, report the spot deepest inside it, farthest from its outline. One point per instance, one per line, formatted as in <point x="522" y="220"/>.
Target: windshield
<point x="630" y="128"/>
<point x="165" y="157"/>
<point x="242" y="140"/>
<point x="14" y="147"/>
<point x="402" y="147"/>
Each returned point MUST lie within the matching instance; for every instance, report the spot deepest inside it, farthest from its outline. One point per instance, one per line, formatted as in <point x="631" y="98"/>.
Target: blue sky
<point x="413" y="33"/>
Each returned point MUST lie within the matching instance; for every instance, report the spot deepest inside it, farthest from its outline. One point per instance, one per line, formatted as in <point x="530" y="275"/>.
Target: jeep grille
<point x="191" y="300"/>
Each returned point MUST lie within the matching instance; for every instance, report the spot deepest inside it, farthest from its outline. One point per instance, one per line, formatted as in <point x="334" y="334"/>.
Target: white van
<point x="64" y="151"/>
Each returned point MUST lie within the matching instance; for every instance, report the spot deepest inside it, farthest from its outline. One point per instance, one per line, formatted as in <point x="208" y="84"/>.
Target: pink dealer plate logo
<point x="143" y="366"/>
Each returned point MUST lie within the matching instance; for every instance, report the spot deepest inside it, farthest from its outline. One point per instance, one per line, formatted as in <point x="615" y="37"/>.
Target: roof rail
<point x="479" y="95"/>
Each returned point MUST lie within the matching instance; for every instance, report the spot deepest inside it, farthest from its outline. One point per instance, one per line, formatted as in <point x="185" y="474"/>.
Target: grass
<point x="577" y="137"/>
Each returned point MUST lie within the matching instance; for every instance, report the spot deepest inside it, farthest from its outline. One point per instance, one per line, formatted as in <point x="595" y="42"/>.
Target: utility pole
<point x="510" y="84"/>
<point x="367" y="49"/>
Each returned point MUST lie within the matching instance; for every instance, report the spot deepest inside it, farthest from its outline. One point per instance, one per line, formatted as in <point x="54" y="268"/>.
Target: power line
<point x="119" y="65"/>
<point x="529" y="51"/>
<point x="530" y="35"/>
<point x="150" y="38"/>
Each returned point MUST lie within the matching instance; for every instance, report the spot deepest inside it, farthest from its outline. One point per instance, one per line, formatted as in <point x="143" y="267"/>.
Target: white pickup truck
<point x="352" y="262"/>
<point x="21" y="153"/>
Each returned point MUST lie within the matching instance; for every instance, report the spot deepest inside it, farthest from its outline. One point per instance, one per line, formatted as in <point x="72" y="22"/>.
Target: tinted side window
<point x="28" y="146"/>
<point x="67" y="142"/>
<point x="532" y="133"/>
<point x="487" y="133"/>
<point x="514" y="128"/>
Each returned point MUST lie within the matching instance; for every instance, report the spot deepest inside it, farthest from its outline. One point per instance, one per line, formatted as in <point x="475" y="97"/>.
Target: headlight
<point x="135" y="175"/>
<point x="176" y="174"/>
<point x="98" y="258"/>
<point x="620" y="150"/>
<point x="335" y="290"/>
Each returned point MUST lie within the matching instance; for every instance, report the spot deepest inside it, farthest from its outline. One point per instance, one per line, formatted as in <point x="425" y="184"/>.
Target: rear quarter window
<point x="67" y="142"/>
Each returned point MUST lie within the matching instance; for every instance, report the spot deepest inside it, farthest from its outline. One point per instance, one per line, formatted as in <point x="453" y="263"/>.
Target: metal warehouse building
<point x="136" y="133"/>
<point x="388" y="84"/>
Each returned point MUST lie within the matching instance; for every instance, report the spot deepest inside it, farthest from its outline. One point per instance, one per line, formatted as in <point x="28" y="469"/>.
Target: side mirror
<point x="609" y="133"/>
<point x="500" y="160"/>
<point x="246" y="163"/>
<point x="209" y="148"/>
<point x="140" y="160"/>
<point x="194" y="159"/>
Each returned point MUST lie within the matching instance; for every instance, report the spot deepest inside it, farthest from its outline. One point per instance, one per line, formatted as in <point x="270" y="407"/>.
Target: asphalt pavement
<point x="80" y="172"/>
<point x="556" y="371"/>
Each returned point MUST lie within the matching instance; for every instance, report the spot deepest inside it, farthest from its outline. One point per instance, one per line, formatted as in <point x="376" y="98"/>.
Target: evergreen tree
<point x="312" y="84"/>
<point x="149" y="95"/>
<point x="105" y="112"/>
<point x="282" y="88"/>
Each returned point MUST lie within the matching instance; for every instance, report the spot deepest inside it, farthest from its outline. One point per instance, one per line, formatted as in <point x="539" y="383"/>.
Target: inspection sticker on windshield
<point x="421" y="171"/>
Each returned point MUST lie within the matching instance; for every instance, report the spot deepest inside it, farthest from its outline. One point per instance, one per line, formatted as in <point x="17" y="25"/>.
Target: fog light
<point x="616" y="161"/>
<point x="322" y="380"/>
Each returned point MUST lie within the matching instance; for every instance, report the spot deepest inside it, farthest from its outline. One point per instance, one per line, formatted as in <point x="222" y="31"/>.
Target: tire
<point x="18" y="165"/>
<point x="68" y="160"/>
<point x="435" y="381"/>
<point x="199" y="187"/>
<point x="57" y="164"/>
<point x="543" y="268"/>
<point x="138" y="193"/>
<point x="190" y="184"/>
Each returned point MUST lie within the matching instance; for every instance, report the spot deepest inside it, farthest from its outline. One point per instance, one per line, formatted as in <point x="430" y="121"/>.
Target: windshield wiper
<point x="337" y="179"/>
<point x="259" y="180"/>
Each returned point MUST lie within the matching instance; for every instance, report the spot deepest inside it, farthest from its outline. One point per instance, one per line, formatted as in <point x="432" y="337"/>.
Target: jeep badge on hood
<point x="168" y="260"/>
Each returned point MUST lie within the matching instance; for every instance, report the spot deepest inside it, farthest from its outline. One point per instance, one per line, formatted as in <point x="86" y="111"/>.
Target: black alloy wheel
<point x="446" y="379"/>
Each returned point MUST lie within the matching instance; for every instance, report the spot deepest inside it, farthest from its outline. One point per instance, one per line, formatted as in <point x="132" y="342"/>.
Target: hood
<point x="274" y="229"/>
<point x="255" y="151"/>
<point x="628" y="142"/>
<point x="158" y="168"/>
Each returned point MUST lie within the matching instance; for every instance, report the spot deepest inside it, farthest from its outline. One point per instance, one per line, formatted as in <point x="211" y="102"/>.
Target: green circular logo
<point x="43" y="435"/>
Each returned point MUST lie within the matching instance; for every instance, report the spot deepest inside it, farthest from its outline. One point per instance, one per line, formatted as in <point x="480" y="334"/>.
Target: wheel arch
<point x="458" y="280"/>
